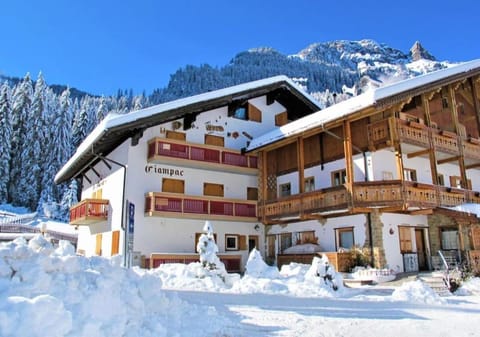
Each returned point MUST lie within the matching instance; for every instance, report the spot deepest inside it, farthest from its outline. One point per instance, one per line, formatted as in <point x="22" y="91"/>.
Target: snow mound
<point x="417" y="292"/>
<point x="256" y="267"/>
<point x="469" y="287"/>
<point x="46" y="291"/>
<point x="307" y="248"/>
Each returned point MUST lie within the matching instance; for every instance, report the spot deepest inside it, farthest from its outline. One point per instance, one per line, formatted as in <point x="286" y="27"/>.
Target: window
<point x="305" y="237"/>
<point x="449" y="239"/>
<point x="247" y="112"/>
<point x="197" y="237"/>
<point x="252" y="193"/>
<point x="345" y="238"/>
<point x="405" y="235"/>
<point x="173" y="185"/>
<point x="253" y="242"/>
<point x="271" y="246"/>
<point x="285" y="190"/>
<point x="409" y="174"/>
<point x="215" y="190"/>
<point x="231" y="242"/>
<point x="441" y="180"/>
<point x="444" y="102"/>
<point x="309" y="184"/>
<point x="285" y="241"/>
<point x="339" y="177"/>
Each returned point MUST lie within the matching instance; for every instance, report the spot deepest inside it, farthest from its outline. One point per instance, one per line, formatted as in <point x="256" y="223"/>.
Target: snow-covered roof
<point x="115" y="129"/>
<point x="358" y="103"/>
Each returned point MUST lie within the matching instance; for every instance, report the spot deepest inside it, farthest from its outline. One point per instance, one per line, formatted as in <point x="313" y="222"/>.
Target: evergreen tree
<point x="5" y="144"/>
<point x="69" y="199"/>
<point x="22" y="99"/>
<point x="80" y="124"/>
<point x="102" y="110"/>
<point x="33" y="148"/>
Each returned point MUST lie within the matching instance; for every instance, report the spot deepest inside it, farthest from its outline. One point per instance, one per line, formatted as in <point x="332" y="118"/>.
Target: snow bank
<point x="469" y="287"/>
<point x="51" y="292"/>
<point x="417" y="292"/>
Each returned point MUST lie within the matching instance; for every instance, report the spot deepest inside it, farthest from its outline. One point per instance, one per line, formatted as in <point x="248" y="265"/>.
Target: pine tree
<point x="80" y="124"/>
<point x="33" y="148"/>
<point x="22" y="99"/>
<point x="68" y="200"/>
<point x="5" y="144"/>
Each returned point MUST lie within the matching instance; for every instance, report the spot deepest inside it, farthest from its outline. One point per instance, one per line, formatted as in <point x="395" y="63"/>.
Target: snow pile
<point x="47" y="291"/>
<point x="373" y="274"/>
<point x="469" y="287"/>
<point x="306" y="248"/>
<point x="256" y="267"/>
<point x="417" y="292"/>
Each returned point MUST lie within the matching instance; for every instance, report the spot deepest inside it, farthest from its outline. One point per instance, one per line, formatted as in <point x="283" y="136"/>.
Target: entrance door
<point x="420" y="243"/>
<point x="253" y="242"/>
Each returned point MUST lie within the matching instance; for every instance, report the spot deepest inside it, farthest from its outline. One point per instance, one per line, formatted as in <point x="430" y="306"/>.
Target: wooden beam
<point x="461" y="159"/>
<point x="348" y="152"/>
<point x="476" y="103"/>
<point x="426" y="211"/>
<point x="472" y="166"/>
<point x="362" y="210"/>
<point x="447" y="160"/>
<point x="418" y="153"/>
<point x="301" y="165"/>
<point x="431" y="151"/>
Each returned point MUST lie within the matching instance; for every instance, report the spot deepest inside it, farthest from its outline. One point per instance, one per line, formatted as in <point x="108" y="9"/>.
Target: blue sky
<point x="101" y="46"/>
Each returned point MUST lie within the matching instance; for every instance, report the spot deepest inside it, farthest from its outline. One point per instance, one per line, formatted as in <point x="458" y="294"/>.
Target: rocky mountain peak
<point x="418" y="52"/>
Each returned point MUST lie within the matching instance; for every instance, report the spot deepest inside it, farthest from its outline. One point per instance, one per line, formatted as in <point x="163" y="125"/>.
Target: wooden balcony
<point x="161" y="150"/>
<point x="391" y="196"/>
<point x="383" y="133"/>
<point x="204" y="207"/>
<point x="89" y="211"/>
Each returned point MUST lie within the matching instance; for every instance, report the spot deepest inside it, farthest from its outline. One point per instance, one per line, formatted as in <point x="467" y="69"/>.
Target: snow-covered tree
<point x="22" y="100"/>
<point x="5" y="144"/>
<point x="33" y="147"/>
<point x="68" y="200"/>
<point x="208" y="249"/>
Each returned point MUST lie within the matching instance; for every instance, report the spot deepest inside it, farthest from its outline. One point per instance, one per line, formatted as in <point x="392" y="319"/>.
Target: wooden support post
<point x="461" y="158"/>
<point x="431" y="154"/>
<point x="347" y="149"/>
<point x="263" y="181"/>
<point x="476" y="102"/>
<point x="301" y="165"/>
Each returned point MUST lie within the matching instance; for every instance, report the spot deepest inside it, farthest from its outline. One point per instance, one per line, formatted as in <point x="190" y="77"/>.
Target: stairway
<point x="435" y="281"/>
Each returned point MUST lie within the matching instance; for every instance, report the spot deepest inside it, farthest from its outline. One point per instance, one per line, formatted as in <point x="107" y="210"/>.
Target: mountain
<point x="342" y="67"/>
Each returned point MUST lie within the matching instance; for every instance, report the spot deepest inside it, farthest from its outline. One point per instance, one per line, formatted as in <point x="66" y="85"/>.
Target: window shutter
<point x="242" y="242"/>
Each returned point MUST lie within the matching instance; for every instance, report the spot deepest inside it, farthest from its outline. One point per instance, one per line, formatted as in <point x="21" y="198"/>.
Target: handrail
<point x="447" y="270"/>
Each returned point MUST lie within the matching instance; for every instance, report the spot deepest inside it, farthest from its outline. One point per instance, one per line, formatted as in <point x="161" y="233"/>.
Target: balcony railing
<point x="89" y="211"/>
<point x="160" y="148"/>
<point x="179" y="205"/>
<point x="380" y="135"/>
<point x="392" y="195"/>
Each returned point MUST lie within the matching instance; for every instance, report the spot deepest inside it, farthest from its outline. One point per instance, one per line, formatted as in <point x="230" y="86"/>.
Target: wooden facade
<point x="438" y="123"/>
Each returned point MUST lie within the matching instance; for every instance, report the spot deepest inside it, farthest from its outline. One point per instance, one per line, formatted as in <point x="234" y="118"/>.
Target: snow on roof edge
<point x="114" y="120"/>
<point x="357" y="103"/>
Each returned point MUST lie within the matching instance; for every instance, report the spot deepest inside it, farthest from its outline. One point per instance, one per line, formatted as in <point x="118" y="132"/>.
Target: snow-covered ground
<point x="47" y="291"/>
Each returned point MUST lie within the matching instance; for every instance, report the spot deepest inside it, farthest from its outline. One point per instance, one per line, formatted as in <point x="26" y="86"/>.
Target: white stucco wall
<point x="170" y="234"/>
<point x="391" y="242"/>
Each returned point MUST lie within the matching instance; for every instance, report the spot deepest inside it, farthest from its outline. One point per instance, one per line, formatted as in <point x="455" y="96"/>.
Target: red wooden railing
<point x="189" y="206"/>
<point x="201" y="153"/>
<point x="89" y="211"/>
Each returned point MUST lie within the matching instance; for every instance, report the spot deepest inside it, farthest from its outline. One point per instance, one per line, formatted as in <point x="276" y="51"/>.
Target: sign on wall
<point x="164" y="171"/>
